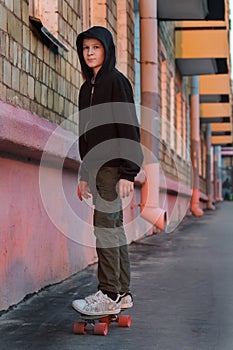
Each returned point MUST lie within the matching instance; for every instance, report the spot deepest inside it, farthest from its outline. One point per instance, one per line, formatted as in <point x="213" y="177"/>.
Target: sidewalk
<point x="183" y="286"/>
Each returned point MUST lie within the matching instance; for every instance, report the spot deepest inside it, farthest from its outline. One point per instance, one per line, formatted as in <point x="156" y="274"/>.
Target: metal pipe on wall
<point x="195" y="142"/>
<point x="210" y="205"/>
<point x="217" y="174"/>
<point x="150" y="209"/>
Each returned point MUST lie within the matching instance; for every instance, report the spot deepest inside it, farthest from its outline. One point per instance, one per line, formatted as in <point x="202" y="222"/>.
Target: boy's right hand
<point x="83" y="190"/>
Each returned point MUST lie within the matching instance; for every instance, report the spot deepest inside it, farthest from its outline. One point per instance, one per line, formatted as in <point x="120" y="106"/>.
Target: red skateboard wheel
<point x="124" y="321"/>
<point x="79" y="328"/>
<point x="101" y="328"/>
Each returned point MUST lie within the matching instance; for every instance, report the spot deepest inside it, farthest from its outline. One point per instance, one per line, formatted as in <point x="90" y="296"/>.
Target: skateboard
<point x="100" y="324"/>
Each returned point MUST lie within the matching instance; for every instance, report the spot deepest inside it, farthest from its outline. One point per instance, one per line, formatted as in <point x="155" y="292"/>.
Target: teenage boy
<point x="109" y="145"/>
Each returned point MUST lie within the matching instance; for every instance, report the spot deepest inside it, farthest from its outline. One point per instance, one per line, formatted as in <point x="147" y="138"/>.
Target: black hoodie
<point x="108" y="125"/>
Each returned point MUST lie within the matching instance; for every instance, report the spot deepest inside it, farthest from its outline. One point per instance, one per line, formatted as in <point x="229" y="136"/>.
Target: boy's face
<point x="93" y="53"/>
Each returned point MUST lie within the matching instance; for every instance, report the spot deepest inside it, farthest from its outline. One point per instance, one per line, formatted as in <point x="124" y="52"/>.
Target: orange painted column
<point x="149" y="113"/>
<point x="195" y="141"/>
<point x="210" y="205"/>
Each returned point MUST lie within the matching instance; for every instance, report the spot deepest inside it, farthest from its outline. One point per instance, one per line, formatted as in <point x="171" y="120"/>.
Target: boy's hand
<point x="83" y="190"/>
<point x="125" y="187"/>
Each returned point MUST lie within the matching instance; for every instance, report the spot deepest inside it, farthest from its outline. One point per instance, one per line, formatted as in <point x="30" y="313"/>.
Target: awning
<point x="202" y="50"/>
<point x="215" y="111"/>
<point x="219" y="115"/>
<point x="221" y="127"/>
<point x="214" y="88"/>
<point x="221" y="140"/>
<point x="191" y="10"/>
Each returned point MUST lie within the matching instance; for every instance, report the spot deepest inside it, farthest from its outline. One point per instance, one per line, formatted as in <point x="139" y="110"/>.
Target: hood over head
<point x="104" y="35"/>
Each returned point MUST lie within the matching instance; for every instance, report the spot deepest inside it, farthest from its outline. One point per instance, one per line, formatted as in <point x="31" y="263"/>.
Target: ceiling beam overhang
<point x="221" y="127"/>
<point x="215" y="110"/>
<point x="201" y="51"/>
<point x="214" y="88"/>
<point x="191" y="10"/>
<point x="218" y="84"/>
<point x="221" y="140"/>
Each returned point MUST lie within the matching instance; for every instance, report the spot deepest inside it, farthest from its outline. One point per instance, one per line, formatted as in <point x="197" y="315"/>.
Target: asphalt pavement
<point x="183" y="292"/>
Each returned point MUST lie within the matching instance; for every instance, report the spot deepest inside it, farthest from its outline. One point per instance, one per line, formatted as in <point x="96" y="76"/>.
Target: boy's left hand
<point x="125" y="187"/>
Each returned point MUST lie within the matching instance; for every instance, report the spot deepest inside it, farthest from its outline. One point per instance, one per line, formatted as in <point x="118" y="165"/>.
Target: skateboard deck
<point x="100" y="324"/>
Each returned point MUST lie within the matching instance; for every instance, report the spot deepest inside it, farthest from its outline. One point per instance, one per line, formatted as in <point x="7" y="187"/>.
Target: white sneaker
<point x="97" y="305"/>
<point x="126" y="300"/>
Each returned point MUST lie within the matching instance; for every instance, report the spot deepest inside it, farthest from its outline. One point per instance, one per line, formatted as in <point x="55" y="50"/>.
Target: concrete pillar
<point x="195" y="141"/>
<point x="210" y="205"/>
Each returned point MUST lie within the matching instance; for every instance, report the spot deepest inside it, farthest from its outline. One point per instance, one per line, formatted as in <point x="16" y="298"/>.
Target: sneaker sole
<point x="125" y="307"/>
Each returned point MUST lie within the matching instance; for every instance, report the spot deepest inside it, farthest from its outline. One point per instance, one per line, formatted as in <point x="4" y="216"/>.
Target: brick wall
<point x="125" y="38"/>
<point x="176" y="166"/>
<point x="104" y="13"/>
<point x="118" y="17"/>
<point x="111" y="18"/>
<point x="32" y="75"/>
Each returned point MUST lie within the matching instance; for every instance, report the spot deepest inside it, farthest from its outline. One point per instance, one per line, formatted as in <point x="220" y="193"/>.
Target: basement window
<point x="43" y="17"/>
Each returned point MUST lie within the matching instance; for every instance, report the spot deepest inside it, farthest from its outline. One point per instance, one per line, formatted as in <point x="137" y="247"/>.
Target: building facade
<point x="182" y="92"/>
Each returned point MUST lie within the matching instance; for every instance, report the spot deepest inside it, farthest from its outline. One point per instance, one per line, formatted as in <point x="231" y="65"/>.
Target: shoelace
<point x="99" y="296"/>
<point x="95" y="298"/>
<point x="100" y="302"/>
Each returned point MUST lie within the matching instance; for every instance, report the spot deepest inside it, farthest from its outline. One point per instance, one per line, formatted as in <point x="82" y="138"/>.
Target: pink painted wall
<point x="46" y="233"/>
<point x="40" y="249"/>
<point x="34" y="252"/>
<point x="40" y="241"/>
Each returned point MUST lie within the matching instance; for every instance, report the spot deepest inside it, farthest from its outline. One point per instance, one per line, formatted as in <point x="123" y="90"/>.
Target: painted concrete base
<point x="41" y="248"/>
<point x="34" y="252"/>
<point x="46" y="233"/>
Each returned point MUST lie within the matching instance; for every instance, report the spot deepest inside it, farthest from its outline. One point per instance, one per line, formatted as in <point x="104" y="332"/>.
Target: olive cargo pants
<point x="111" y="243"/>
